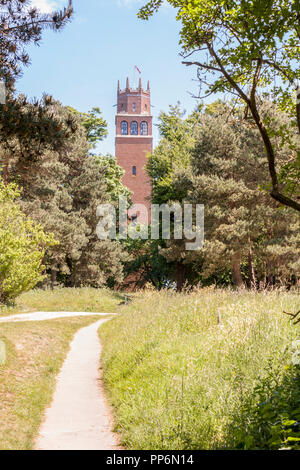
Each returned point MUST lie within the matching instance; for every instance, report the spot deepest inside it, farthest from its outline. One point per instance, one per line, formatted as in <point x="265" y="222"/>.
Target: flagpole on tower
<point x="136" y="71"/>
<point x="134" y="77"/>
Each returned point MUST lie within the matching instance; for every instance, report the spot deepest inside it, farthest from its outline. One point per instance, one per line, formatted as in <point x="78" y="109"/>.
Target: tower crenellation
<point x="134" y="100"/>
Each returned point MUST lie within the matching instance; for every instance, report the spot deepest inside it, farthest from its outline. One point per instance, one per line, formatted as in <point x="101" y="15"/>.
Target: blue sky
<point x="81" y="65"/>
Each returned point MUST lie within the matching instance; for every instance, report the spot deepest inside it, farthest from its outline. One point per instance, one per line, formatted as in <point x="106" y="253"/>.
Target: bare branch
<point x="255" y="80"/>
<point x="204" y="66"/>
<point x="286" y="201"/>
<point x="294" y="316"/>
<point x="280" y="69"/>
<point x="227" y="75"/>
<point x="275" y="193"/>
<point x="185" y="56"/>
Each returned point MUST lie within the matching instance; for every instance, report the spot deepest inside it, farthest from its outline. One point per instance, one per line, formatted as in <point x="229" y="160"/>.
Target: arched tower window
<point x="134" y="128"/>
<point x="124" y="128"/>
<point x="144" y="128"/>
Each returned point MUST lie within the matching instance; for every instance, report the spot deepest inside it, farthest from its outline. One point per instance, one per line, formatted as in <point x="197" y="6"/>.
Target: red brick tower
<point x="134" y="141"/>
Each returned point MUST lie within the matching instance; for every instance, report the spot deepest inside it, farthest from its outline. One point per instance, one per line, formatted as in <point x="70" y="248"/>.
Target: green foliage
<point x="172" y="153"/>
<point x="94" y="124"/>
<point x="113" y="178"/>
<point x="246" y="48"/>
<point x="249" y="29"/>
<point x="20" y="26"/>
<point x="146" y="263"/>
<point x="215" y="157"/>
<point x="46" y="151"/>
<point x="228" y="171"/>
<point x="63" y="190"/>
<point x="275" y="423"/>
<point x="22" y="247"/>
<point x="28" y="130"/>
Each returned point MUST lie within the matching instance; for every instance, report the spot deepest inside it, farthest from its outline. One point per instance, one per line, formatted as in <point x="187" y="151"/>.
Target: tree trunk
<point x="236" y="271"/>
<point x="180" y="276"/>
<point x="5" y="172"/>
<point x="269" y="267"/>
<point x="264" y="283"/>
<point x="251" y="267"/>
<point x="53" y="277"/>
<point x="298" y="107"/>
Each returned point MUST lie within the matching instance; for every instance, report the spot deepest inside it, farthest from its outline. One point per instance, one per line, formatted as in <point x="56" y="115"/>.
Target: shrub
<point x="22" y="247"/>
<point x="275" y="423"/>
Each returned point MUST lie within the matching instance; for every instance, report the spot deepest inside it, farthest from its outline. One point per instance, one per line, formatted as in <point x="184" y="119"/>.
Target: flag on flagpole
<point x="136" y="67"/>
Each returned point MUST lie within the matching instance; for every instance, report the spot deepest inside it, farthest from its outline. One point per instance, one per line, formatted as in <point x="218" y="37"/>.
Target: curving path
<point x="40" y="316"/>
<point x="78" y="418"/>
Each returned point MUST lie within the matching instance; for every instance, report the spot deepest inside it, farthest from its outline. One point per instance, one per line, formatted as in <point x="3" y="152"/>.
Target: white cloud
<point x="128" y="3"/>
<point x="47" y="6"/>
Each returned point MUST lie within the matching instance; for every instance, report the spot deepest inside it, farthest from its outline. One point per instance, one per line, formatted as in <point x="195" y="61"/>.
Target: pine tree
<point x="172" y="155"/>
<point x="224" y="169"/>
<point x="242" y="224"/>
<point x="20" y="26"/>
<point x="27" y="128"/>
<point x="62" y="189"/>
<point x="172" y="152"/>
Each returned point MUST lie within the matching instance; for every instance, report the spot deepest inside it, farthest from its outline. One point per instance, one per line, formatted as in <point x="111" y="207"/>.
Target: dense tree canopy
<point x="61" y="189"/>
<point x="172" y="152"/>
<point x="248" y="240"/>
<point x="242" y="226"/>
<point x="26" y="128"/>
<point x="247" y="47"/>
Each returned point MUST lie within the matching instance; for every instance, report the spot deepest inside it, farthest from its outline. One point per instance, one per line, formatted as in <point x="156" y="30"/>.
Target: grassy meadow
<point x="66" y="300"/>
<point x="210" y="369"/>
<point x="179" y="378"/>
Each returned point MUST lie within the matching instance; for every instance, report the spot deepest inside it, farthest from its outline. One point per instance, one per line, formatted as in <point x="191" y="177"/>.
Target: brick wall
<point x="131" y="150"/>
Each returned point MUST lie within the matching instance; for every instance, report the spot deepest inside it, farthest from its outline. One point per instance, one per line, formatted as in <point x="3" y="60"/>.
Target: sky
<point x="81" y="65"/>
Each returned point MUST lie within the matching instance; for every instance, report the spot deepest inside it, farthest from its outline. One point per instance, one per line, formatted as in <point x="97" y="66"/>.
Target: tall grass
<point x="178" y="378"/>
<point x="66" y="300"/>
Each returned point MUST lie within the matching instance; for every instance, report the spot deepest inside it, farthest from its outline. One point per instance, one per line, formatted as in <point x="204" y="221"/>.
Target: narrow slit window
<point x="134" y="171"/>
<point x="134" y="107"/>
<point x="134" y="219"/>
